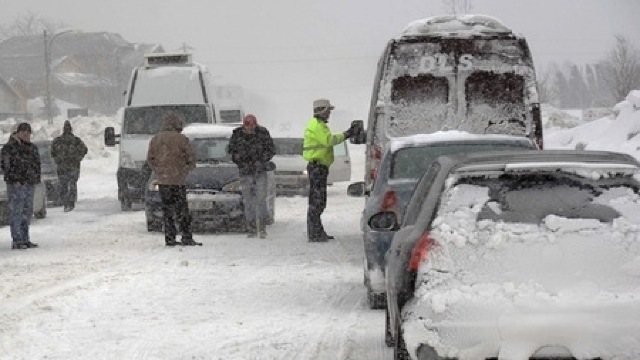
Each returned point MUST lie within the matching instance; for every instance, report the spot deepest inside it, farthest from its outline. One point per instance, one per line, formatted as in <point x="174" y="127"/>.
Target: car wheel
<point x="376" y="300"/>
<point x="126" y="204"/>
<point x="153" y="224"/>
<point x="400" y="350"/>
<point x="388" y="338"/>
<point x="428" y="353"/>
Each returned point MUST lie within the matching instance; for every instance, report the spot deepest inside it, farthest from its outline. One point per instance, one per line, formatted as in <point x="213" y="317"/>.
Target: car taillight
<point x="420" y="252"/>
<point x="389" y="201"/>
<point x="373" y="174"/>
<point x="376" y="152"/>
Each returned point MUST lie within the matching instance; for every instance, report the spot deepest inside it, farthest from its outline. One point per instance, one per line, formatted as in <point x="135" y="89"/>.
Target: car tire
<point x="126" y="204"/>
<point x="41" y="214"/>
<point x="400" y="349"/>
<point x="153" y="224"/>
<point x="388" y="338"/>
<point x="376" y="300"/>
<point x="428" y="353"/>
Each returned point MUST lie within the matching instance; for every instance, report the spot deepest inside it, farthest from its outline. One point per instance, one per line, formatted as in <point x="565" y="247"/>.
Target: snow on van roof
<point x="452" y="135"/>
<point x="460" y="26"/>
<point x="207" y="130"/>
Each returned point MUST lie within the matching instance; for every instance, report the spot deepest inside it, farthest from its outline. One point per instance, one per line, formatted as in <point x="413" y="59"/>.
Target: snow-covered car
<point x="516" y="256"/>
<point x="214" y="191"/>
<point x="49" y="172"/>
<point x="404" y="161"/>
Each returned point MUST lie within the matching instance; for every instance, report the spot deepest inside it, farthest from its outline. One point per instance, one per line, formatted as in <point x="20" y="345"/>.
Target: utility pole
<point x="47" y="69"/>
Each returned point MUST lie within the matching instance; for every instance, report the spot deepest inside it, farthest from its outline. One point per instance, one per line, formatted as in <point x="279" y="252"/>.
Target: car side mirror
<point x="356" y="189"/>
<point x="384" y="221"/>
<point x="359" y="134"/>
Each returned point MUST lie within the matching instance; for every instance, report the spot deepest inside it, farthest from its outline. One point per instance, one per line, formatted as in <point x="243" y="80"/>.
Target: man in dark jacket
<point x="68" y="151"/>
<point x="171" y="157"/>
<point x="21" y="167"/>
<point x="252" y="148"/>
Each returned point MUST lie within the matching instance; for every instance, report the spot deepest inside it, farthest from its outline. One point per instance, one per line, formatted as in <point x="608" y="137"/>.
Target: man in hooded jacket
<point x="68" y="151"/>
<point x="171" y="157"/>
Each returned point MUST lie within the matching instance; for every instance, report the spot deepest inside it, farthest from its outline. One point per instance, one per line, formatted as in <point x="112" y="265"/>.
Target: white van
<point x="166" y="82"/>
<point x="340" y="170"/>
<point x="469" y="73"/>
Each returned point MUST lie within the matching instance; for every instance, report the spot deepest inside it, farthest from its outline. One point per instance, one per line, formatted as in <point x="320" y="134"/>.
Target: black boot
<point x="262" y="231"/>
<point x="190" y="242"/>
<point x="170" y="242"/>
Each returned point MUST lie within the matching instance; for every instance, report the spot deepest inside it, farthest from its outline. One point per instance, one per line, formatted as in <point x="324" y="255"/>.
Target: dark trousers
<point x="174" y="205"/>
<point x="68" y="186"/>
<point x="317" y="199"/>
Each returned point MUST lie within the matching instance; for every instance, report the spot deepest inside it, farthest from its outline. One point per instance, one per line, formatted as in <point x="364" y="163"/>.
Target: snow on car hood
<point x="508" y="289"/>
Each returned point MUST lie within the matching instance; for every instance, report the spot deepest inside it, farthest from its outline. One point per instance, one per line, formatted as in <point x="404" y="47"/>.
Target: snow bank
<point x="619" y="134"/>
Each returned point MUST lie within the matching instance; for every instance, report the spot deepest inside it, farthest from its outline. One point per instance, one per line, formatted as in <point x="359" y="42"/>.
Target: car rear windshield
<point x="533" y="198"/>
<point x="412" y="162"/>
<point x="288" y="146"/>
<point x="149" y="120"/>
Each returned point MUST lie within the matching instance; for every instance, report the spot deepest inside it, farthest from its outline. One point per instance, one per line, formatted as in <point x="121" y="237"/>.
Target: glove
<point x="348" y="133"/>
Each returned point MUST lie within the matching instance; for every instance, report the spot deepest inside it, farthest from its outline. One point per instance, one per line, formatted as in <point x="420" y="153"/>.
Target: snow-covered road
<point x="101" y="287"/>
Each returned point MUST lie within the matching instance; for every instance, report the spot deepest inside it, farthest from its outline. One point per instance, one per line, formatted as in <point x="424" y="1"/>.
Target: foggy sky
<point x="285" y="53"/>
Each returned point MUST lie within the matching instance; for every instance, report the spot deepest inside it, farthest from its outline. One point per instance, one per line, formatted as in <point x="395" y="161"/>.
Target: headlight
<point x="234" y="186"/>
<point x="304" y="172"/>
<point x="153" y="186"/>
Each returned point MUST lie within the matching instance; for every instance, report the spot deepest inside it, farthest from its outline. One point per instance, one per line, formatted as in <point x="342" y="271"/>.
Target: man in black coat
<point x="68" y="151"/>
<point x="20" y="163"/>
<point x="252" y="148"/>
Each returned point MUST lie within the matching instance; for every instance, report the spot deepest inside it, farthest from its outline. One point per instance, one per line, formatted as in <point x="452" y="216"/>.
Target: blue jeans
<point x="20" y="211"/>
<point x="254" y="196"/>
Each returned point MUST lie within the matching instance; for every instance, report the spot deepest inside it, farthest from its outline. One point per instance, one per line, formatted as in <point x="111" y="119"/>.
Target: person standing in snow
<point x="20" y="163"/>
<point x="68" y="151"/>
<point x="171" y="157"/>
<point x="318" y="151"/>
<point x="251" y="148"/>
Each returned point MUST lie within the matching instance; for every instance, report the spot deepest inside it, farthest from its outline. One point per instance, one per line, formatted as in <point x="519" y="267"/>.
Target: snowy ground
<point x="101" y="287"/>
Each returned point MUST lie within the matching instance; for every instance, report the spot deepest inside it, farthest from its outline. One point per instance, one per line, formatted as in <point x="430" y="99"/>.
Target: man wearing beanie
<point x="20" y="163"/>
<point x="318" y="151"/>
<point x="68" y="151"/>
<point x="251" y="148"/>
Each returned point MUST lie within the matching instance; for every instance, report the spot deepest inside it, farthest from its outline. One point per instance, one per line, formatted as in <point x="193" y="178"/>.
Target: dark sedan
<point x="214" y="191"/>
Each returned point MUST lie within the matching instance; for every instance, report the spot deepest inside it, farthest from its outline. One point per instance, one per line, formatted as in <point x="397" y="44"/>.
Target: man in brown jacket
<point x="171" y="157"/>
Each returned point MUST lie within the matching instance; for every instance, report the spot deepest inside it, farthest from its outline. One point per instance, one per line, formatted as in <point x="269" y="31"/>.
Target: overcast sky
<point x="291" y="51"/>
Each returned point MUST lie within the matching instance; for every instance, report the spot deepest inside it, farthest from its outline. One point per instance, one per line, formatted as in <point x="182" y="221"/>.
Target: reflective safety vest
<point x="319" y="142"/>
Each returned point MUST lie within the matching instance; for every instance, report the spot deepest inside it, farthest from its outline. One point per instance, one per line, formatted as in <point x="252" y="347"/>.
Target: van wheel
<point x="126" y="204"/>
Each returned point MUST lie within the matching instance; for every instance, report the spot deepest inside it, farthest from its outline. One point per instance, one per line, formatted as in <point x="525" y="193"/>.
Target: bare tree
<point x="457" y="7"/>
<point x="30" y="24"/>
<point x="621" y="68"/>
<point x="547" y="91"/>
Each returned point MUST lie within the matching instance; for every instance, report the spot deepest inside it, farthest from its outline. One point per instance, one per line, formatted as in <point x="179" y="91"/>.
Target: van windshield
<point x="149" y="120"/>
<point x="231" y="116"/>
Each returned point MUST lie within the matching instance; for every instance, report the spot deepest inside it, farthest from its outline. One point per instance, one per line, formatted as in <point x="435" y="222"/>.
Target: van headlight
<point x="234" y="186"/>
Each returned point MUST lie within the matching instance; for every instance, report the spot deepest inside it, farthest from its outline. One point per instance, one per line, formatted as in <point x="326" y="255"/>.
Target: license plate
<point x="200" y="205"/>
